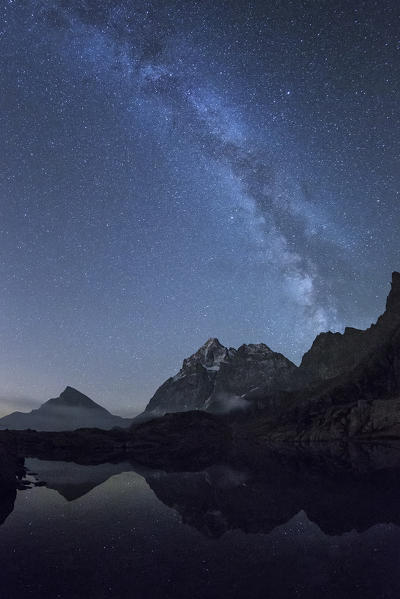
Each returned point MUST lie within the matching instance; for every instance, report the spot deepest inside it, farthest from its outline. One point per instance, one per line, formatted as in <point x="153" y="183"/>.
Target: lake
<point x="319" y="529"/>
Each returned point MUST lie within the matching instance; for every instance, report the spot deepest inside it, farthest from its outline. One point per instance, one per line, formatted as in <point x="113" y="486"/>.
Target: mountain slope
<point x="71" y="410"/>
<point x="333" y="354"/>
<point x="357" y="393"/>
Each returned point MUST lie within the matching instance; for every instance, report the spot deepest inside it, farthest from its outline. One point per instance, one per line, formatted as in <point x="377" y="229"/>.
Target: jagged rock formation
<point x="333" y="354"/>
<point x="82" y="446"/>
<point x="350" y="385"/>
<point x="217" y="378"/>
<point x="71" y="410"/>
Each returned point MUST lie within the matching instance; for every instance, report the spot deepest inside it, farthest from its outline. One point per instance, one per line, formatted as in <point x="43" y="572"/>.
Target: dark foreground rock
<point x="191" y="438"/>
<point x="11" y="472"/>
<point x="84" y="446"/>
<point x="8" y="465"/>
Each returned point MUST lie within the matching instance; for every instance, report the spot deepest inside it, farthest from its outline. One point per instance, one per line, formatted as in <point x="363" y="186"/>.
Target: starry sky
<point x="175" y="170"/>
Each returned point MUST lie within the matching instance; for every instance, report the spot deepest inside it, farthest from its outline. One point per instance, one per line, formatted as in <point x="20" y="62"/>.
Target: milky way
<point x="172" y="171"/>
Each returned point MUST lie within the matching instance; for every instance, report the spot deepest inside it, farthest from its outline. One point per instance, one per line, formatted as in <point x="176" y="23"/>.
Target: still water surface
<point x="119" y="530"/>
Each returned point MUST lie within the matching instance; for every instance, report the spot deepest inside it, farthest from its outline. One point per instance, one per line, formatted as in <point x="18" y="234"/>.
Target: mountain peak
<point x="209" y="355"/>
<point x="255" y="348"/>
<point x="216" y="378"/>
<point x="212" y="342"/>
<point x="71" y="397"/>
<point x="70" y="391"/>
<point x="69" y="411"/>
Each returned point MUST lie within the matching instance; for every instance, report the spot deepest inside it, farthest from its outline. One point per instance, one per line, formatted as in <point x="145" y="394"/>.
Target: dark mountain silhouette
<point x="346" y="386"/>
<point x="334" y="354"/>
<point x="71" y="410"/>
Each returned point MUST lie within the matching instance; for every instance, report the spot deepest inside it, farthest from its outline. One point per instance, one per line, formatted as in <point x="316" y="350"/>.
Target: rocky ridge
<point x="347" y="386"/>
<point x="333" y="354"/>
<point x="357" y="393"/>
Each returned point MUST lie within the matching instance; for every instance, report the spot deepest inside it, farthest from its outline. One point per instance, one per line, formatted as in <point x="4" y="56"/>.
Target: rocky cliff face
<point x="217" y="378"/>
<point x="334" y="354"/>
<point x="350" y="386"/>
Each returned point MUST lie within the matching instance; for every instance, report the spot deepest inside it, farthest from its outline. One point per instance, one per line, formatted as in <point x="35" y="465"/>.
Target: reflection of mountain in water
<point x="340" y="487"/>
<point x="73" y="480"/>
<point x="339" y="492"/>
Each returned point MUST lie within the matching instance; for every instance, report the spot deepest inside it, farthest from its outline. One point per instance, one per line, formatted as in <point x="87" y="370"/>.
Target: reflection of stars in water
<point x="123" y="528"/>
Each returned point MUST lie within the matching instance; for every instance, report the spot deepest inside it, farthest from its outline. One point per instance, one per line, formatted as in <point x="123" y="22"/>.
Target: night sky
<point x="172" y="171"/>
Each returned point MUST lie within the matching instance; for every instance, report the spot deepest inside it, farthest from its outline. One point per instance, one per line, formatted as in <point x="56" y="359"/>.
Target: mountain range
<point x="348" y="384"/>
<point x="221" y="379"/>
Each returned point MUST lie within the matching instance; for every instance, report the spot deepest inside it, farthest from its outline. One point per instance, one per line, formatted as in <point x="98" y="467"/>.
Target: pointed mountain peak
<point x="71" y="391"/>
<point x="209" y="355"/>
<point x="72" y="395"/>
<point x="212" y="342"/>
<point x="72" y="398"/>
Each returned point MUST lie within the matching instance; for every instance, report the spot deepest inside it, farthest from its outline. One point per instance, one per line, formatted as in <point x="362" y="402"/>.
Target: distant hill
<point x="71" y="410"/>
